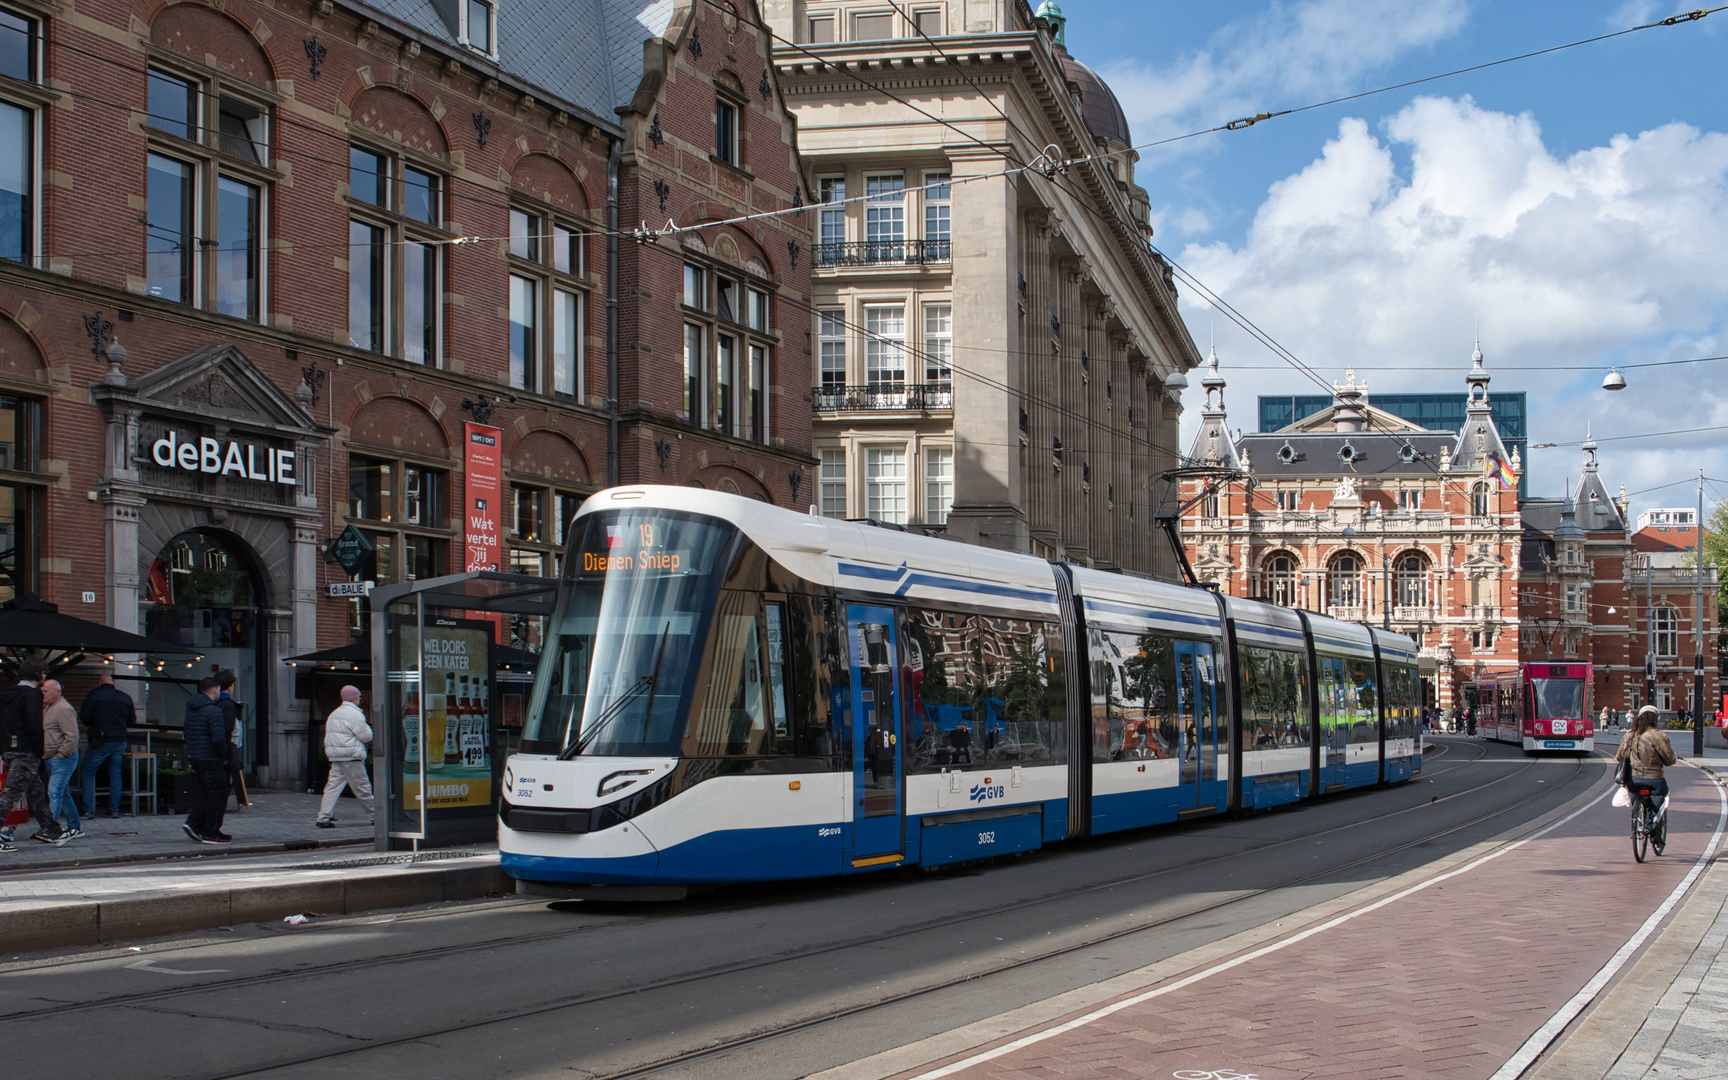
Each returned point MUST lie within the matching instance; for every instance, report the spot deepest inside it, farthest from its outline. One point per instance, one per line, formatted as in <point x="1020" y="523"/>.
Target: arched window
<point x="1344" y="581"/>
<point x="1280" y="581"/>
<point x="1479" y="500"/>
<point x="1411" y="574"/>
<point x="1665" y="628"/>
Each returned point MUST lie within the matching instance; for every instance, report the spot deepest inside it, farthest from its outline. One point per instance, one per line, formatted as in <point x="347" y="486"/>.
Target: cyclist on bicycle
<point x="1648" y="749"/>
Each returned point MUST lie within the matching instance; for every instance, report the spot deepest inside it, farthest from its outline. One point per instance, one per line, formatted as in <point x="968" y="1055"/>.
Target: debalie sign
<point x="202" y="454"/>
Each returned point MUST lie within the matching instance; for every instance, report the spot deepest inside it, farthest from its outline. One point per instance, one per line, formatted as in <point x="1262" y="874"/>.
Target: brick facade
<point x="1367" y="517"/>
<point x="284" y="93"/>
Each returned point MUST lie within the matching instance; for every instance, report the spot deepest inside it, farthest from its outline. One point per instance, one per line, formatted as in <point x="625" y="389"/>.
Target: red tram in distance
<point x="1540" y="706"/>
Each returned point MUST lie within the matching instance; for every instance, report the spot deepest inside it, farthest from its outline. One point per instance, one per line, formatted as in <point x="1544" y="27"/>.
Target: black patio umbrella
<point x="30" y="623"/>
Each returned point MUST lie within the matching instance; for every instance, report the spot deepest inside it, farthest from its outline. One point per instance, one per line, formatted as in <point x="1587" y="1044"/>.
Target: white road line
<point x="1127" y="1003"/>
<point x="1547" y="1033"/>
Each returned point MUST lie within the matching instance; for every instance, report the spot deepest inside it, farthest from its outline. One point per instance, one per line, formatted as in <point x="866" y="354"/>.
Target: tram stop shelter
<point x="447" y="696"/>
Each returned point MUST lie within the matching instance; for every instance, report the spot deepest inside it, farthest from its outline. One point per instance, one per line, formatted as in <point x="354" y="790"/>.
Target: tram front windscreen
<point x="637" y="592"/>
<point x="1558" y="699"/>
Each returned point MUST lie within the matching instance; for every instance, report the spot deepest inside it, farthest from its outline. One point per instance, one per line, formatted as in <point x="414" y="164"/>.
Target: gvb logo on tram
<point x="987" y="791"/>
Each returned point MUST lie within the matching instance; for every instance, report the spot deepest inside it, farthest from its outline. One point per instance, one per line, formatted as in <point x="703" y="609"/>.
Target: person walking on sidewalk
<point x="1649" y="751"/>
<point x="21" y="749"/>
<point x="346" y="734"/>
<point x="60" y="754"/>
<point x="231" y="716"/>
<point x="108" y="711"/>
<point x="207" y="753"/>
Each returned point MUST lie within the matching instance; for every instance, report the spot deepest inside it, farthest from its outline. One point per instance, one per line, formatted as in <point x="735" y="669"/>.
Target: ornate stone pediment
<point x="219" y="383"/>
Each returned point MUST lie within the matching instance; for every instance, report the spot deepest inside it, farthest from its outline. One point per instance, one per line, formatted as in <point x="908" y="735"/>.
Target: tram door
<point x="1334" y="723"/>
<point x="1198" y="695"/>
<point x="878" y="791"/>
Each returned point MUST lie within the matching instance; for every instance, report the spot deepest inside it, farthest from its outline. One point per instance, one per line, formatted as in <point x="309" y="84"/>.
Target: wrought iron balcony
<point x="885" y="397"/>
<point x="882" y="253"/>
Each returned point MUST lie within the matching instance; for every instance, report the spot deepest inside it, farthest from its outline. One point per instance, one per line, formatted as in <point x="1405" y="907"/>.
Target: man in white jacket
<point x="346" y="734"/>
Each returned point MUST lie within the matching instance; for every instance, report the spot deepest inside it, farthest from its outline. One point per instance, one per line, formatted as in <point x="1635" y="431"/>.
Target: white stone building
<point x="991" y="342"/>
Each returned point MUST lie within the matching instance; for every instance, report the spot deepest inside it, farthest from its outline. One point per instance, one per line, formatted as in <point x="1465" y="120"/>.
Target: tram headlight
<point x="618" y="781"/>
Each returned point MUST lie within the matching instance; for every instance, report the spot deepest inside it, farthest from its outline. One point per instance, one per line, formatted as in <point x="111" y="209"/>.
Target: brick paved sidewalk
<point x="1384" y="993"/>
<point x="279" y="821"/>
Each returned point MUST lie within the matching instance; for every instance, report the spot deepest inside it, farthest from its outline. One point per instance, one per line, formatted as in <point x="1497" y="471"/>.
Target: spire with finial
<point x="1213" y="446"/>
<point x="1589" y="450"/>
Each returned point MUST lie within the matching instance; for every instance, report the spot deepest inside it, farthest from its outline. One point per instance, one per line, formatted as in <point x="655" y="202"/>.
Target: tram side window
<point x="1135" y="708"/>
<point x="733" y="720"/>
<point x="834" y="680"/>
<point x="1274" y="699"/>
<point x="800" y="727"/>
<point x="1361" y="701"/>
<point x="1109" y="705"/>
<point x="982" y="691"/>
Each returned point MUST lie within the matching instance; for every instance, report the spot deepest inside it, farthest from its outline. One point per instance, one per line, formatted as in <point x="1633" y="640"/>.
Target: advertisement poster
<point x="448" y="721"/>
<point x="483" y="508"/>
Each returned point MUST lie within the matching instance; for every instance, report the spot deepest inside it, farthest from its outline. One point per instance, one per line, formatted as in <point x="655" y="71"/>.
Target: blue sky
<point x="1574" y="206"/>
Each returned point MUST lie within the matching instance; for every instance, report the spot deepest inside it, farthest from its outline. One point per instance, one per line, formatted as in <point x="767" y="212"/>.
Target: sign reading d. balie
<point x="482" y="509"/>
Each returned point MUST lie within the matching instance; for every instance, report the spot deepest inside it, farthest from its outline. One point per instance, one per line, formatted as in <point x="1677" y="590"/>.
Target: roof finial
<point x="1052" y="16"/>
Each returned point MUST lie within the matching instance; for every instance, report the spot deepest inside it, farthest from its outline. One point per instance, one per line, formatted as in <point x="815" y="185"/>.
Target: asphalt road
<point x="762" y="982"/>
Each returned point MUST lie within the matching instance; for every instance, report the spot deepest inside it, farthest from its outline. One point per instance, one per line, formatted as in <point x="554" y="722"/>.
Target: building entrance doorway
<point x="204" y="592"/>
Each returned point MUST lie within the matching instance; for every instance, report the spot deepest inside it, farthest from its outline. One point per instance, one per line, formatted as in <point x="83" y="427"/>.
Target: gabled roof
<point x="1357" y="453"/>
<point x="587" y="52"/>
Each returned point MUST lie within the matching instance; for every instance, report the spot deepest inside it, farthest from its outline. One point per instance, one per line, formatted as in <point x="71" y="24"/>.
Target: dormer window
<point x="478" y="26"/>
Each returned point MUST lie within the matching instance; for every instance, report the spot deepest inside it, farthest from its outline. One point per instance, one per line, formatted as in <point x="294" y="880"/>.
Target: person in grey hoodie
<point x="346" y="734"/>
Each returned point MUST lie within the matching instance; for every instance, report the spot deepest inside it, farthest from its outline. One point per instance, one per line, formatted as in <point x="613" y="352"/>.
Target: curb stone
<point x="28" y="926"/>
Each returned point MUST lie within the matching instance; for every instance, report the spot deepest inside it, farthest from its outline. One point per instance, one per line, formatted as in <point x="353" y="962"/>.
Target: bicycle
<point x="1649" y="823"/>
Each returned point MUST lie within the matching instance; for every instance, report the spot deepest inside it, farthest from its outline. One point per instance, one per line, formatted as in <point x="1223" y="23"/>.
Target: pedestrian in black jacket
<point x="207" y="752"/>
<point x="107" y="713"/>
<point x="21" y="749"/>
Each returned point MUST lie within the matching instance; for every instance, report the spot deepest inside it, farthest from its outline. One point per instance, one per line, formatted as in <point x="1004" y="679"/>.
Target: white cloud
<point x="1633" y="13"/>
<point x="1287" y="55"/>
<point x="1613" y="253"/>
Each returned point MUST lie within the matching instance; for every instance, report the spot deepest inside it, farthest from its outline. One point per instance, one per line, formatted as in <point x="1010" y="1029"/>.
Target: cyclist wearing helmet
<point x="1648" y="749"/>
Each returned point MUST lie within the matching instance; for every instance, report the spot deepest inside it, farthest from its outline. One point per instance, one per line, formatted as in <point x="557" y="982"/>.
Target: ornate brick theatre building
<point x="327" y="248"/>
<point x="1362" y="515"/>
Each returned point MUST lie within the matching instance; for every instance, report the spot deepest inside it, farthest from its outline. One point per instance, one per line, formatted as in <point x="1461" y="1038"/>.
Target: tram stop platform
<point x="137" y="877"/>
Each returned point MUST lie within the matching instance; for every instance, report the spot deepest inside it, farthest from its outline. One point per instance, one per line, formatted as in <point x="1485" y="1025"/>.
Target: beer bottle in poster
<point x="453" y="724"/>
<point x="465" y="734"/>
<point x="474" y="728"/>
<point x="411" y="728"/>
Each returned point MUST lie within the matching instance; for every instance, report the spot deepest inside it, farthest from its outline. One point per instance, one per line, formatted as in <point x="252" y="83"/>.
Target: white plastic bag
<point x="1622" y="797"/>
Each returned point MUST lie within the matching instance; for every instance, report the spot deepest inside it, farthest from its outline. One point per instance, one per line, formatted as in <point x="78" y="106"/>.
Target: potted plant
<point x="173" y="789"/>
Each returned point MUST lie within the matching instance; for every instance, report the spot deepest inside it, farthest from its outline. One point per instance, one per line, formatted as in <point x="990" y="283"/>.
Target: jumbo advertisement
<point x="446" y="724"/>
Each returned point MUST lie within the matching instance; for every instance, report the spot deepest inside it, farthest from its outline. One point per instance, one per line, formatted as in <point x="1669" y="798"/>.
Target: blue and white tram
<point x="731" y="692"/>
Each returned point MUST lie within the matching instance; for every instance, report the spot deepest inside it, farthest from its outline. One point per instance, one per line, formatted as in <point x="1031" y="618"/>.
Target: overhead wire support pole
<point x="1698" y="631"/>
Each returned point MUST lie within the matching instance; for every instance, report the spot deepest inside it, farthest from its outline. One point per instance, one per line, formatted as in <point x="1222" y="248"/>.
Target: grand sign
<point x="213" y="457"/>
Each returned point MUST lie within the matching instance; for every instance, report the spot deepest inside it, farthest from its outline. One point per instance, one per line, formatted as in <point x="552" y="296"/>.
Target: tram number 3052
<point x="986" y="838"/>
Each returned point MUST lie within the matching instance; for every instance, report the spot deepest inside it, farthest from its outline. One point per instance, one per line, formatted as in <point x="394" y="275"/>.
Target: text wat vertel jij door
<point x="878" y="789"/>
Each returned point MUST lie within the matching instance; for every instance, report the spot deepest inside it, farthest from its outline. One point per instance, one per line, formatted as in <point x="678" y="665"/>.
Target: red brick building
<point x="260" y="264"/>
<point x="1367" y="517"/>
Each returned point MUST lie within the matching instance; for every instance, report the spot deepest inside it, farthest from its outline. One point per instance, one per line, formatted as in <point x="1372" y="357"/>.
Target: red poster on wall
<point x="482" y="508"/>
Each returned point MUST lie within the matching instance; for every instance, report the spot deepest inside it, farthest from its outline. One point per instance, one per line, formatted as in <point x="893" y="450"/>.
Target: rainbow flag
<point x="1501" y="471"/>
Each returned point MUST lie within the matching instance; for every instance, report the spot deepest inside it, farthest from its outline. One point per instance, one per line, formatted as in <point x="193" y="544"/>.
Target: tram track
<point x="408" y="955"/>
<point x="715" y="1050"/>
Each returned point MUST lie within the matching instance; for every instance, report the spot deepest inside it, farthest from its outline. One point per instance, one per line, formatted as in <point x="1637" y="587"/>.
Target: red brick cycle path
<point x="1448" y="980"/>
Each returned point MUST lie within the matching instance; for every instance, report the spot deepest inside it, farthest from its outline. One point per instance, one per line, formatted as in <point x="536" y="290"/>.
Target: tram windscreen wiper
<point x="643" y="686"/>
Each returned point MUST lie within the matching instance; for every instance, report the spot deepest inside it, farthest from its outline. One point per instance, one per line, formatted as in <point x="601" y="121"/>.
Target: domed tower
<point x="1101" y="112"/>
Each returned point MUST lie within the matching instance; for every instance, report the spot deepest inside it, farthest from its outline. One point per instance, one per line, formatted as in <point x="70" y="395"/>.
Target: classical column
<point x="989" y="492"/>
